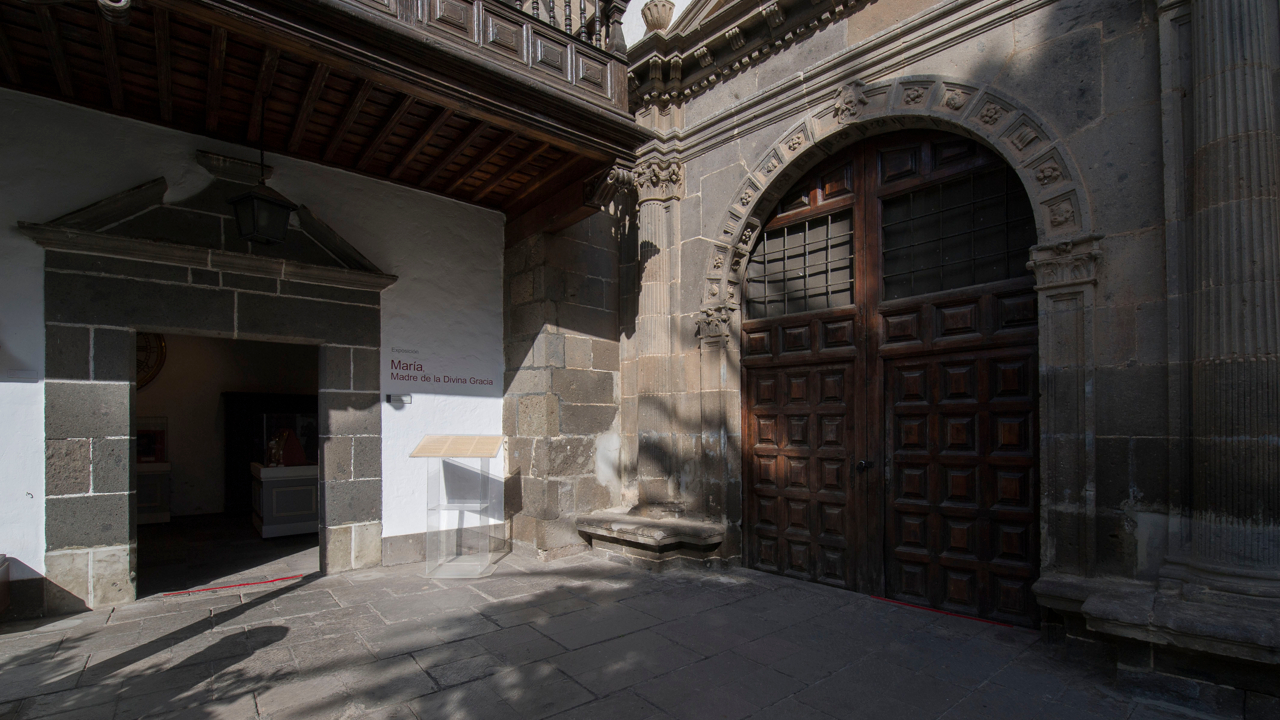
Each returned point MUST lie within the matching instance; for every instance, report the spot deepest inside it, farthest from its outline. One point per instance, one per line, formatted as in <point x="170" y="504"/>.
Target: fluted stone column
<point x="1235" y="298"/>
<point x="657" y="184"/>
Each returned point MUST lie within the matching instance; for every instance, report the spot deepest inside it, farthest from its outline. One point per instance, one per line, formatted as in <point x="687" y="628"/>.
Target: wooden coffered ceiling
<point x="186" y="65"/>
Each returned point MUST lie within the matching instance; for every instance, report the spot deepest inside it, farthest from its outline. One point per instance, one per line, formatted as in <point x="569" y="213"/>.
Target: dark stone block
<point x="583" y="386"/>
<point x="604" y="355"/>
<point x="84" y="410"/>
<point x="324" y="292"/>
<point x="353" y="501"/>
<point x="86" y="521"/>
<point x="250" y="282"/>
<point x="66" y="352"/>
<point x="118" y="301"/>
<point x="584" y="320"/>
<point x="335" y="368"/>
<point x="564" y="457"/>
<point x="1132" y="400"/>
<point x="1258" y="706"/>
<point x="205" y="277"/>
<point x="66" y="467"/>
<point x="404" y="549"/>
<point x="54" y="260"/>
<point x="111" y="464"/>
<point x="298" y="247"/>
<point x="350" y="414"/>
<point x="367" y="457"/>
<point x="586" y="419"/>
<point x="115" y="355"/>
<point x="286" y="317"/>
<point x="335" y="459"/>
<point x="174" y="225"/>
<point x="1065" y="74"/>
<point x="364" y="369"/>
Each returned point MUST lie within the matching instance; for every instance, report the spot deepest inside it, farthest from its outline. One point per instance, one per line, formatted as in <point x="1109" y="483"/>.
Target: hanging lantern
<point x="262" y="215"/>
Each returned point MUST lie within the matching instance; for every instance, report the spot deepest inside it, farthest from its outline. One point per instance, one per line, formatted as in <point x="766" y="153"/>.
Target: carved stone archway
<point x="1065" y="261"/>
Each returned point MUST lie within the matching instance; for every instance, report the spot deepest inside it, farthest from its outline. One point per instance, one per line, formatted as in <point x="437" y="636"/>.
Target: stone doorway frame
<point x="1065" y="261"/>
<point x="100" y="290"/>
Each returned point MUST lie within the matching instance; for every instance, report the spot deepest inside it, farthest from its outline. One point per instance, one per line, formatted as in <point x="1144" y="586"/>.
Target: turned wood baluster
<point x="582" y="20"/>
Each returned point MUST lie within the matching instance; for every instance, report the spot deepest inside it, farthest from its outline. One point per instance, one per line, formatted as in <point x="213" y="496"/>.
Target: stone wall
<point x="560" y="411"/>
<point x="103" y="287"/>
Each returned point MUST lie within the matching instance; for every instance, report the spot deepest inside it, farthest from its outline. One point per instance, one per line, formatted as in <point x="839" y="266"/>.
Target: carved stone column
<point x="658" y="183"/>
<point x="1066" y="278"/>
<point x="1235" y="298"/>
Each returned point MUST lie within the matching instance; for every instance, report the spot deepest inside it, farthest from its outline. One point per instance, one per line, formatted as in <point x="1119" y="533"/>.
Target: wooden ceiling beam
<point x="538" y="182"/>
<point x="164" y="69"/>
<point x="8" y="61"/>
<point x="465" y="173"/>
<point x="515" y="165"/>
<point x="450" y="156"/>
<point x="319" y="77"/>
<point x="266" y="79"/>
<point x="111" y="62"/>
<point x="388" y="127"/>
<point x="213" y="89"/>
<point x="53" y="40"/>
<point x="421" y="143"/>
<point x="348" y="118"/>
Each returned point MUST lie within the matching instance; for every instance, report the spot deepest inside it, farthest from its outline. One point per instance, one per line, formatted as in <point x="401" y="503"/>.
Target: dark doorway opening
<point x="226" y="462"/>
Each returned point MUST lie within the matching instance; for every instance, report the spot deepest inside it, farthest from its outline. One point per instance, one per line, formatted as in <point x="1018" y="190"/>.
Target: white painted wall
<point x="55" y="158"/>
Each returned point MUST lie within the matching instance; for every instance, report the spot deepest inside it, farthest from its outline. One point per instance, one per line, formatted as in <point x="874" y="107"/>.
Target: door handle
<point x="865" y="465"/>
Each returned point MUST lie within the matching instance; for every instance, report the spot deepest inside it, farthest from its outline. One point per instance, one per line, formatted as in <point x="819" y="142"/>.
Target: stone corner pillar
<point x="350" y="483"/>
<point x="1234" y="302"/>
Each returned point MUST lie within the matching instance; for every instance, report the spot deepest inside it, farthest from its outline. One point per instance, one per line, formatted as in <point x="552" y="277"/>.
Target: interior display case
<point x="285" y="500"/>
<point x="155" y="488"/>
<point x="466" y="529"/>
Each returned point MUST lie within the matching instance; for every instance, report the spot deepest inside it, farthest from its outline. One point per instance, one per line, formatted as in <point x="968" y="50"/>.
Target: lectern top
<point x="458" y="446"/>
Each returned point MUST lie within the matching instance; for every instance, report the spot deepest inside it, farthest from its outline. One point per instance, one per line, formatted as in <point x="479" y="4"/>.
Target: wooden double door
<point x="890" y="380"/>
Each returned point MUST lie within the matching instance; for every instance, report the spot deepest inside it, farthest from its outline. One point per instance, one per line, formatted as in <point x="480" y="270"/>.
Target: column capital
<point x="1070" y="262"/>
<point x="658" y="180"/>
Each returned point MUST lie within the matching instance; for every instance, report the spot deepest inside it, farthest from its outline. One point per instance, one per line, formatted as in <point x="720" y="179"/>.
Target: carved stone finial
<point x="658" y="180"/>
<point x="657" y="14"/>
<point x="714" y="322"/>
<point x="849" y="102"/>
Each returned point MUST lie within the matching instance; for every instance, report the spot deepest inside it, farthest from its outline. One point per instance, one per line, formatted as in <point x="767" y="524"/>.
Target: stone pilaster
<point x="1235" y="298"/>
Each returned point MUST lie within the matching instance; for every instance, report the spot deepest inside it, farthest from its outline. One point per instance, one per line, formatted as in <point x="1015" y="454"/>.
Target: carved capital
<point x="659" y="180"/>
<point x="715" y="322"/>
<point x="1071" y="262"/>
<point x="601" y="189"/>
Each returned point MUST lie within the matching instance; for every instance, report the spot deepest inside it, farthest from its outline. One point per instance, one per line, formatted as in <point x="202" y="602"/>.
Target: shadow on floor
<point x="197" y="551"/>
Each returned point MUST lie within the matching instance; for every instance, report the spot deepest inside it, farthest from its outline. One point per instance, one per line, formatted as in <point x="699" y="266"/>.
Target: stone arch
<point x="858" y="111"/>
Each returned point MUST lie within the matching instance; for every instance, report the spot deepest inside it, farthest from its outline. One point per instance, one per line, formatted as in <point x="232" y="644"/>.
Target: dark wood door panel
<point x="799" y="445"/>
<point x="962" y="526"/>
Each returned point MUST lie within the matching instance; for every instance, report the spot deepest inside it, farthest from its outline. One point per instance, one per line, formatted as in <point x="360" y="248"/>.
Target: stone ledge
<point x="656" y="533"/>
<point x="92" y="243"/>
<point x="1139" y="611"/>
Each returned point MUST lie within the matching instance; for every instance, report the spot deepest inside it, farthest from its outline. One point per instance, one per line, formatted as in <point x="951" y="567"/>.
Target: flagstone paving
<point x="578" y="638"/>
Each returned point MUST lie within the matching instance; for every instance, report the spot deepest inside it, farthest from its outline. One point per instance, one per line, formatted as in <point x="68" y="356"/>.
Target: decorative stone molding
<point x="773" y="14"/>
<point x="604" y="187"/>
<point x="715" y="322"/>
<point x="659" y="180"/>
<point x="858" y="110"/>
<point x="1070" y="262"/>
<point x="849" y="102"/>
